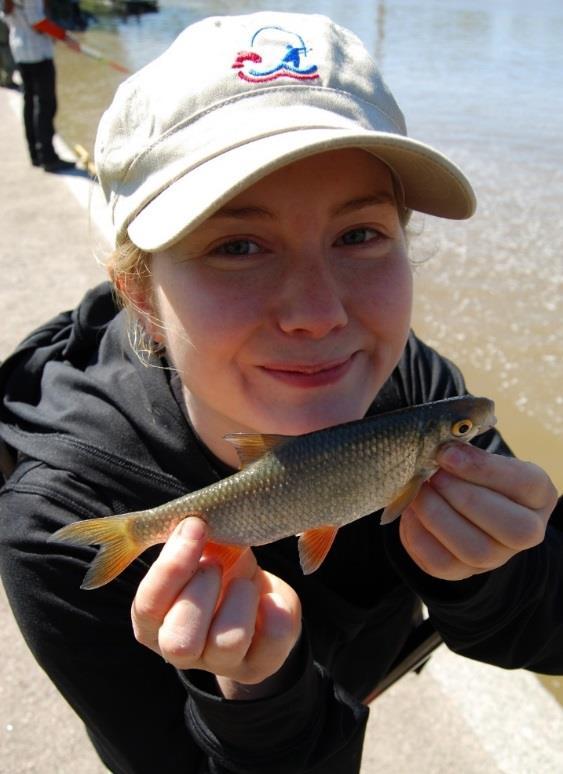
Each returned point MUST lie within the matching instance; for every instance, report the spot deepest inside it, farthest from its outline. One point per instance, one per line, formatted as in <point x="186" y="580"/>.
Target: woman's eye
<point x="238" y="247"/>
<point x="357" y="236"/>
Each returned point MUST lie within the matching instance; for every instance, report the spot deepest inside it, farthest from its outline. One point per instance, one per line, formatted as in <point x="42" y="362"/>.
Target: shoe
<point x="58" y="165"/>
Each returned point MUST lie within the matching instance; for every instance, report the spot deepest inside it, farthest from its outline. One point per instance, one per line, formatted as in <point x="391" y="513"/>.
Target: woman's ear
<point x="138" y="298"/>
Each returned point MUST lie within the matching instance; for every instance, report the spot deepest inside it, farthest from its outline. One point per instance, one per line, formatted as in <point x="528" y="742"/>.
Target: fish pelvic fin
<point x="313" y="546"/>
<point x="402" y="499"/>
<point x="251" y="446"/>
<point x="118" y="546"/>
<point x="224" y="554"/>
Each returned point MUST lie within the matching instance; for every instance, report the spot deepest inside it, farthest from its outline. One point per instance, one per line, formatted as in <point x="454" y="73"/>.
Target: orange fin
<point x="403" y="499"/>
<point x="118" y="548"/>
<point x="314" y="545"/>
<point x="251" y="446"/>
<point x="225" y="555"/>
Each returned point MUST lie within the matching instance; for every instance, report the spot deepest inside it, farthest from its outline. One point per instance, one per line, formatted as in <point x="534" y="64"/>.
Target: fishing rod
<point x="95" y="54"/>
<point x="415" y="653"/>
<point x="48" y="27"/>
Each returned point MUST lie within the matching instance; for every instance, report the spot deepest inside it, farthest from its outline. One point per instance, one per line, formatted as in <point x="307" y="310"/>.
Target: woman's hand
<point x="476" y="512"/>
<point x="241" y="630"/>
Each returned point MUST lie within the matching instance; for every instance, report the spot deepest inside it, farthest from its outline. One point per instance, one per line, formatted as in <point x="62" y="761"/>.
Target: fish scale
<point x="307" y="485"/>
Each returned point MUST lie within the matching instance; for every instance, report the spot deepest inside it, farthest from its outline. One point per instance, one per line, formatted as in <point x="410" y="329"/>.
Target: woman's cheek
<point x="386" y="296"/>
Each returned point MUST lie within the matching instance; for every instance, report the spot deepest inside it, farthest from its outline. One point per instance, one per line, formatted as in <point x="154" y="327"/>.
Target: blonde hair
<point x="129" y="270"/>
<point x="128" y="266"/>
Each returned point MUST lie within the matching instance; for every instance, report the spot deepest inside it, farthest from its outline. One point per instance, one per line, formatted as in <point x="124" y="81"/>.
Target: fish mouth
<point x="310" y="374"/>
<point x="488" y="425"/>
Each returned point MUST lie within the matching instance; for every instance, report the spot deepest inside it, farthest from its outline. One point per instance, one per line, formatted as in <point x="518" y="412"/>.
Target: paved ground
<point x="457" y="716"/>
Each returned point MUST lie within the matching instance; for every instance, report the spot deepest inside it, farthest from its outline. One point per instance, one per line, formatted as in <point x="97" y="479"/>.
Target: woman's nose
<point x="311" y="301"/>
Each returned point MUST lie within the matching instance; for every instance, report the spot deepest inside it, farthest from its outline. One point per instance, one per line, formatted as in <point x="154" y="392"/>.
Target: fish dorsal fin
<point x="314" y="545"/>
<point x="251" y="446"/>
<point x="403" y="499"/>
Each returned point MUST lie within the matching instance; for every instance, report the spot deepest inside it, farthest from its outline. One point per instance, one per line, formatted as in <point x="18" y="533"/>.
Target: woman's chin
<point x="319" y="418"/>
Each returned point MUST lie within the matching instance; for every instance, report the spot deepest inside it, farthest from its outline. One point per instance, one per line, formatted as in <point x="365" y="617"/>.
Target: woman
<point x="260" y="202"/>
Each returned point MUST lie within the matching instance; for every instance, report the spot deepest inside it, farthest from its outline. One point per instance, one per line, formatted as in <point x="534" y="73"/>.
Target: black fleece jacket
<point x="95" y="433"/>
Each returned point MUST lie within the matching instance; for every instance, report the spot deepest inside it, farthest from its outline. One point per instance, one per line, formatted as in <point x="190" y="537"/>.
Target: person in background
<point x="33" y="53"/>
<point x="260" y="180"/>
<point x="7" y="64"/>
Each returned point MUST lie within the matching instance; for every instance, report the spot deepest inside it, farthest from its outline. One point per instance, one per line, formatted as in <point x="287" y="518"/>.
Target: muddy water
<point x="483" y="82"/>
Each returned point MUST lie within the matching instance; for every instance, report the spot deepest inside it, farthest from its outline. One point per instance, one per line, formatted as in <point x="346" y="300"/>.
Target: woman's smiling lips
<point x="309" y="374"/>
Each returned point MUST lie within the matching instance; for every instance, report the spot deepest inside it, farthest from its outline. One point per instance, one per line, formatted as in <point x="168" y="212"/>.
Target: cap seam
<point x="223" y="150"/>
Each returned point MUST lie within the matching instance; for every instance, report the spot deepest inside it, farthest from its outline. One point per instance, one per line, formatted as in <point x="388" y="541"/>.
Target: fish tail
<point x="118" y="546"/>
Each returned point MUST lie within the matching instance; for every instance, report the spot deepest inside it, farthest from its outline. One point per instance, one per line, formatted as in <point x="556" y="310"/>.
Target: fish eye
<point x="461" y="427"/>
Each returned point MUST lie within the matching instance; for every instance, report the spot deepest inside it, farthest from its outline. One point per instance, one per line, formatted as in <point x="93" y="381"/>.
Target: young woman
<point x="260" y="179"/>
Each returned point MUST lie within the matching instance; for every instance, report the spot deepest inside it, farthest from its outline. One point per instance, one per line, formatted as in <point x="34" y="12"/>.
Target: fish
<point x="307" y="485"/>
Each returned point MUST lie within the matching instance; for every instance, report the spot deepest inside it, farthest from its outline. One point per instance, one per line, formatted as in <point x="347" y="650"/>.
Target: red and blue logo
<point x="275" y="53"/>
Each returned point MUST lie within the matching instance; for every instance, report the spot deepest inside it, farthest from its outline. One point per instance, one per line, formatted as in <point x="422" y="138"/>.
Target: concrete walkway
<point x="457" y="716"/>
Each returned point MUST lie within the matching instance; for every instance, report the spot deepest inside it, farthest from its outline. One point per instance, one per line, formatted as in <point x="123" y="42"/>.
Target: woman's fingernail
<point x="192" y="529"/>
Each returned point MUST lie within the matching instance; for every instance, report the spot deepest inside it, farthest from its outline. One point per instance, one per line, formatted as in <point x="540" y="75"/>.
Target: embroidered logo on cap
<point x="275" y="53"/>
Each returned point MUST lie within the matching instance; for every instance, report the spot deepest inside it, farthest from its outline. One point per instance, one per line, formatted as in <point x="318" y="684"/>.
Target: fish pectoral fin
<point x="313" y="546"/>
<point x="251" y="446"/>
<point x="224" y="554"/>
<point x="403" y="499"/>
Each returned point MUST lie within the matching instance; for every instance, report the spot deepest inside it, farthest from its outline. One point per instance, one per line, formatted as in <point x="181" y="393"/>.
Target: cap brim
<point x="431" y="182"/>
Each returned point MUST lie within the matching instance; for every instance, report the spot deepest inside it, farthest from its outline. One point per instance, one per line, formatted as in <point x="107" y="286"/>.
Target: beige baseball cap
<point x="237" y="97"/>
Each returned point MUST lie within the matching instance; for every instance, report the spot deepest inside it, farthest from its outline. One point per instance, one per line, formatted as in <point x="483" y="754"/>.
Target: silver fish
<point x="307" y="485"/>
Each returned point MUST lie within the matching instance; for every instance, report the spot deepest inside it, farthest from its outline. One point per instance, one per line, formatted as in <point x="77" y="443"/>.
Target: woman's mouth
<point x="309" y="374"/>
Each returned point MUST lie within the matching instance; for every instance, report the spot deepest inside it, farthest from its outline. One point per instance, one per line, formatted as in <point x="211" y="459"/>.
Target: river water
<point x="483" y="82"/>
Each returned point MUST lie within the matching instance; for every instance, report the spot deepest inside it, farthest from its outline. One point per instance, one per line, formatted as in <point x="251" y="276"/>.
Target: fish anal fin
<point x="251" y="446"/>
<point x="313" y="546"/>
<point x="402" y="499"/>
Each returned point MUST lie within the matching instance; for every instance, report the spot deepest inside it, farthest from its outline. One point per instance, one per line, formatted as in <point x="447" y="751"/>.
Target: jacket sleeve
<point x="313" y="726"/>
<point x="141" y="714"/>
<point x="511" y="617"/>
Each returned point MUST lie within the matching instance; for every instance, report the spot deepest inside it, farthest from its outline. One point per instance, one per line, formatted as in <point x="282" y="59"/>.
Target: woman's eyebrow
<point x="240" y="213"/>
<point x="359" y="203"/>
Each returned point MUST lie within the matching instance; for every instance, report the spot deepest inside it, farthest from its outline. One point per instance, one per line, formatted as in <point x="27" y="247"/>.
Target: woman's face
<point x="287" y="310"/>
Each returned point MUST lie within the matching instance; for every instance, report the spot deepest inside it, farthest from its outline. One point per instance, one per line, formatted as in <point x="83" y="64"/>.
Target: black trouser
<point x="39" y="108"/>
